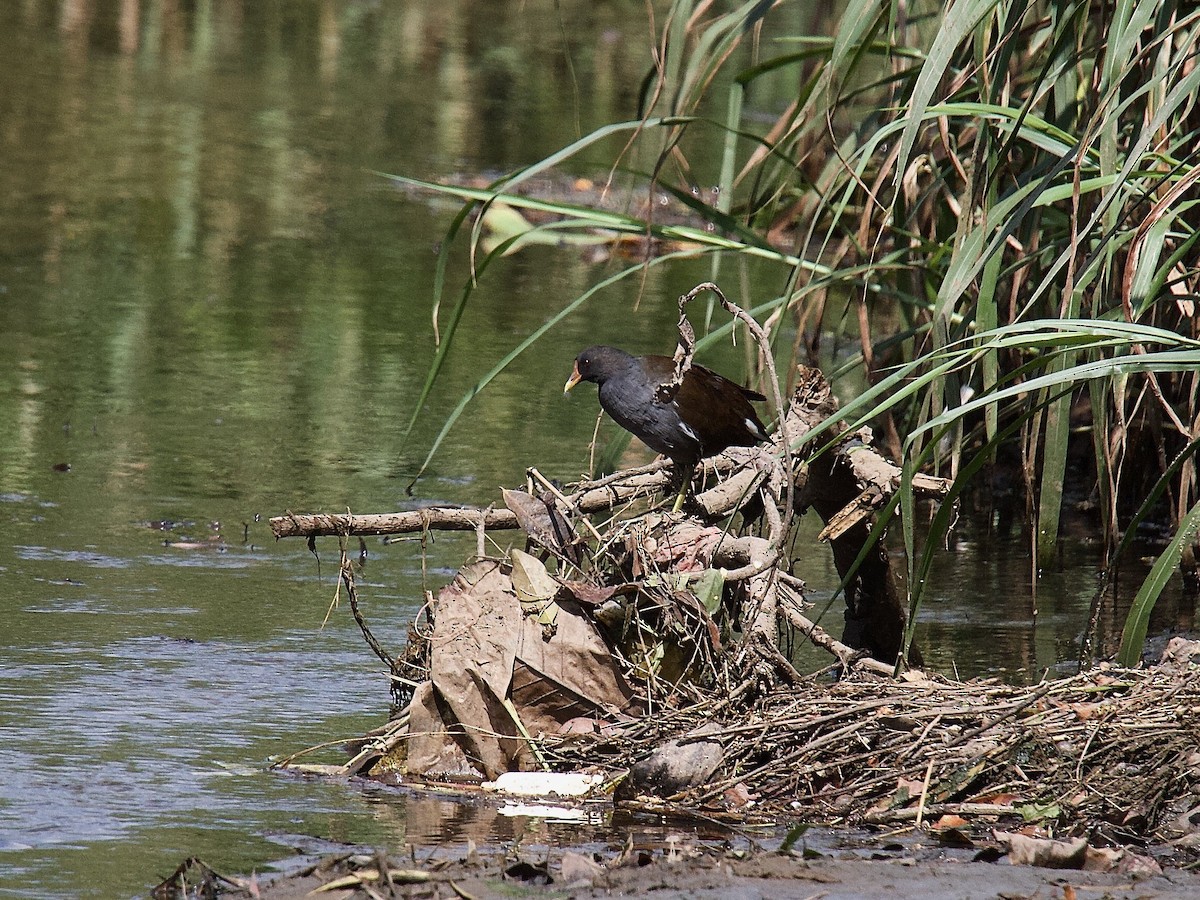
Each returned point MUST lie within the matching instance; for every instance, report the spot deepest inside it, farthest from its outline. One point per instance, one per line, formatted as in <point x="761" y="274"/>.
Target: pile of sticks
<point x="1111" y="749"/>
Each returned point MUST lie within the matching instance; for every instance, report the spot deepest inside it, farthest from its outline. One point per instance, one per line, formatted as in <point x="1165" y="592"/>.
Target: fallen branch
<point x="847" y="656"/>
<point x="588" y="498"/>
<point x="445" y="518"/>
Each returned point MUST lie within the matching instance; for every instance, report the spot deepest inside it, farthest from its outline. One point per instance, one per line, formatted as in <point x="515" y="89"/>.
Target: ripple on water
<point x="88" y="558"/>
<point x="95" y="742"/>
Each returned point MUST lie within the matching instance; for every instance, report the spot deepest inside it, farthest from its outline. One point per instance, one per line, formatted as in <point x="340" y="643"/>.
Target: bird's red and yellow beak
<point x="573" y="380"/>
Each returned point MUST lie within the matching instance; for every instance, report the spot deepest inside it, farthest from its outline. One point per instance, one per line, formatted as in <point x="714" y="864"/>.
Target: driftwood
<point x="603" y="495"/>
<point x="656" y="611"/>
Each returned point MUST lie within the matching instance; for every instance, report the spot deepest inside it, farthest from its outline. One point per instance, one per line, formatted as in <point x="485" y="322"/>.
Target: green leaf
<point x="1133" y="637"/>
<point x="708" y="588"/>
<point x="1038" y="812"/>
<point x="794" y="834"/>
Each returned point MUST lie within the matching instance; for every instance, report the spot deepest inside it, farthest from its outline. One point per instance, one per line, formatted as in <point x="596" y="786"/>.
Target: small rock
<point x="675" y="766"/>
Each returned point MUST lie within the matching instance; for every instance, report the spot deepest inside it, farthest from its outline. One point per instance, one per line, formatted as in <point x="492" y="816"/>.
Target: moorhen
<point x="708" y="414"/>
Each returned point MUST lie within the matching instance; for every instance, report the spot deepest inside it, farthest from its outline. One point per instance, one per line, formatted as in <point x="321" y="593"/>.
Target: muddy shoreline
<point x="917" y="864"/>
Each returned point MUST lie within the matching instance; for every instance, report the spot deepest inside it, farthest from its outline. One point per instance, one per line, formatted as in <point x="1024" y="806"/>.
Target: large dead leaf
<point x="485" y="650"/>
<point x="569" y="676"/>
<point x="474" y="644"/>
<point x="432" y="750"/>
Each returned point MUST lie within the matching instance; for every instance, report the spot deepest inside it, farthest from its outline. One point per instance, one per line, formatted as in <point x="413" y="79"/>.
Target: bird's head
<point x="596" y="364"/>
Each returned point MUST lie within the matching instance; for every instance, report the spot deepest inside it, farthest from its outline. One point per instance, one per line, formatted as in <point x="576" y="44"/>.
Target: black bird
<point x="708" y="413"/>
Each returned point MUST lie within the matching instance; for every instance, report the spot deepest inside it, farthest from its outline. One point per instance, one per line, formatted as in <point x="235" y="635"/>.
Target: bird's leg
<point x="679" y="498"/>
<point x="685" y="482"/>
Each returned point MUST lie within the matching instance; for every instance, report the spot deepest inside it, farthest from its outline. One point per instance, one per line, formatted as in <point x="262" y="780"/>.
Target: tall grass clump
<point x="1002" y="195"/>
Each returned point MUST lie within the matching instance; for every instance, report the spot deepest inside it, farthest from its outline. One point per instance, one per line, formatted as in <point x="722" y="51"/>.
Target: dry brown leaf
<point x="542" y="522"/>
<point x="536" y="589"/>
<point x="1085" y="711"/>
<point x="949" y="822"/>
<point x="737" y="796"/>
<point x="478" y="628"/>
<point x="532" y="582"/>
<point x="363" y="876"/>
<point x="594" y="595"/>
<point x="1101" y="859"/>
<point x="485" y="651"/>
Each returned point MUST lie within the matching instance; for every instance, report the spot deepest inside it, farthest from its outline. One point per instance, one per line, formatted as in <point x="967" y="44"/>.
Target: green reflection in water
<point x="211" y="311"/>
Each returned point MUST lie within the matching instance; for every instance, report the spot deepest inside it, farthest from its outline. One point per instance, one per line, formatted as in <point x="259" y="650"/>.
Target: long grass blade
<point x="1133" y="637"/>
